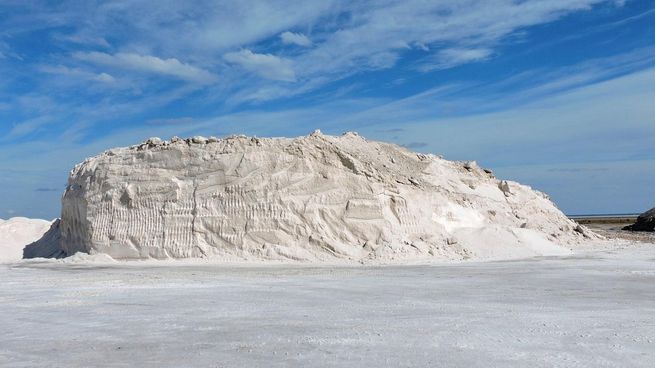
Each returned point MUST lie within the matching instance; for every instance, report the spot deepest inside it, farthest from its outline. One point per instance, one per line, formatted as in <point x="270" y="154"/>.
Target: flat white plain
<point x="591" y="309"/>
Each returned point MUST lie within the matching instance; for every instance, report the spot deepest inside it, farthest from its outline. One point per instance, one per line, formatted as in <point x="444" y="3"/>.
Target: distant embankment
<point x="624" y="218"/>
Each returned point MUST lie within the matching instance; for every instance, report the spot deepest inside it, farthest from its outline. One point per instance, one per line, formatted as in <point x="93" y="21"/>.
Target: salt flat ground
<point x="589" y="310"/>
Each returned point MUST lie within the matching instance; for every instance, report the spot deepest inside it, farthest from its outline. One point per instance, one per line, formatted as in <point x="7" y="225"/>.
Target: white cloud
<point x="353" y="35"/>
<point x="265" y="65"/>
<point x="449" y="58"/>
<point x="299" y="39"/>
<point x="375" y="38"/>
<point x="348" y="37"/>
<point x="27" y="127"/>
<point x="80" y="73"/>
<point x="82" y="39"/>
<point x="7" y="53"/>
<point x="151" y="64"/>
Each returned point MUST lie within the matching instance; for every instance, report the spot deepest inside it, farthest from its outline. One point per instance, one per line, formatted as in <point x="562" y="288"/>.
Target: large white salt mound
<point x="16" y="233"/>
<point x="314" y="198"/>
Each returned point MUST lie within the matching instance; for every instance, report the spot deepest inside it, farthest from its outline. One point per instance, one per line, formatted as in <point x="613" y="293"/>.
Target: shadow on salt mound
<point x="49" y="246"/>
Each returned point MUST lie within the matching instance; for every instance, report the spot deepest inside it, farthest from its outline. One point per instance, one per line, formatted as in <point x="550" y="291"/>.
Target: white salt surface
<point x="16" y="233"/>
<point x="593" y="309"/>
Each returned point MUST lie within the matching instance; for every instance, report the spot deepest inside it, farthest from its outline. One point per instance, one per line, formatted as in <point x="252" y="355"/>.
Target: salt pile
<point x="645" y="222"/>
<point x="314" y="198"/>
<point x="16" y="232"/>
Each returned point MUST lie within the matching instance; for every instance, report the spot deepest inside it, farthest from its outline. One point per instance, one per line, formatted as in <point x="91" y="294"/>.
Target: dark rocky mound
<point x="645" y="222"/>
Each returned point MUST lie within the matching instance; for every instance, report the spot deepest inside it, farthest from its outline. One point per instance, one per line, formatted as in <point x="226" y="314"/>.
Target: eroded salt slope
<point x="313" y="198"/>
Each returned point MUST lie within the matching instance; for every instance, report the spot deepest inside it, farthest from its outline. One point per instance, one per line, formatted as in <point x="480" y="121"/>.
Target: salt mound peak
<point x="312" y="198"/>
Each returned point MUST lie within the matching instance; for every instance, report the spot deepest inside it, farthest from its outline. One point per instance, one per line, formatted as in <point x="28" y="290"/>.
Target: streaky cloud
<point x="148" y="63"/>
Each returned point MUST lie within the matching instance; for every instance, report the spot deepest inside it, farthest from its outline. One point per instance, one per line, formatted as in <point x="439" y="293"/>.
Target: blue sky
<point x="557" y="94"/>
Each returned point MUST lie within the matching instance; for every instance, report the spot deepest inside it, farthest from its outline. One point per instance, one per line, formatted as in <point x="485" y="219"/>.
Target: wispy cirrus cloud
<point x="82" y="39"/>
<point x="350" y="37"/>
<point x="452" y="57"/>
<point x="26" y="127"/>
<point x="376" y="39"/>
<point x="298" y="39"/>
<point x="150" y="64"/>
<point x="78" y="73"/>
<point x="265" y="65"/>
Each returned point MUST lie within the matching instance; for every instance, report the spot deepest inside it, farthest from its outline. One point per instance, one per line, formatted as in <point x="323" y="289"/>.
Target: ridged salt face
<point x="315" y="198"/>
